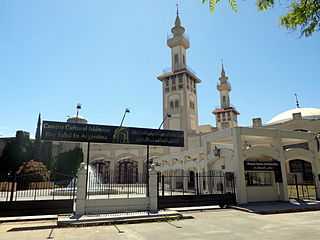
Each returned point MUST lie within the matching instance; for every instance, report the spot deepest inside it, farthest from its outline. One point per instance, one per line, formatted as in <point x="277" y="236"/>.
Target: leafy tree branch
<point x="302" y="15"/>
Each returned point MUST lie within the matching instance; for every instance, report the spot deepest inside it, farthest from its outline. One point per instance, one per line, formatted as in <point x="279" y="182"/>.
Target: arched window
<point x="127" y="171"/>
<point x="176" y="58"/>
<point x="103" y="169"/>
<point x="176" y="104"/>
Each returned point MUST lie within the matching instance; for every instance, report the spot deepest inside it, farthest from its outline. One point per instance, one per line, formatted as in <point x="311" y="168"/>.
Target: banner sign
<point x="265" y="166"/>
<point x="76" y="132"/>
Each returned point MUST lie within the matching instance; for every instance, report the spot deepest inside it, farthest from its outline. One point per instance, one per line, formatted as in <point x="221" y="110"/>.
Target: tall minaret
<point x="179" y="85"/>
<point x="226" y="115"/>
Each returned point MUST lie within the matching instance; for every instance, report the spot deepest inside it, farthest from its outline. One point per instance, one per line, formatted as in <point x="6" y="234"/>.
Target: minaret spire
<point x="177" y="30"/>
<point x="223" y="73"/>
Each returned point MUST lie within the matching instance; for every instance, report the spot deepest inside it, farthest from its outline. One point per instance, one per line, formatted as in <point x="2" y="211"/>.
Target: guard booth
<point x="262" y="178"/>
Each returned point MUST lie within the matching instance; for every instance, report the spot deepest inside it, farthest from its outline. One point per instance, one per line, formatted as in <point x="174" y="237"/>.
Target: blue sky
<point x="107" y="55"/>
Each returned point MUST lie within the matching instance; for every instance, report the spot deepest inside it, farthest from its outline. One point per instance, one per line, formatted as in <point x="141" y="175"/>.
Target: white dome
<point x="306" y="113"/>
<point x="75" y="116"/>
<point x="75" y="119"/>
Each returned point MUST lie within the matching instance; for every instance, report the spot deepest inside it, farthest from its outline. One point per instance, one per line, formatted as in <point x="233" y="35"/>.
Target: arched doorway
<point x="301" y="180"/>
<point x="127" y="171"/>
<point x="191" y="182"/>
<point x="103" y="169"/>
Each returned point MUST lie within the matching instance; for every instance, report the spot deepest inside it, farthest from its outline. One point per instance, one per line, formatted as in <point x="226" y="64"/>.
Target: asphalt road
<point x="208" y="224"/>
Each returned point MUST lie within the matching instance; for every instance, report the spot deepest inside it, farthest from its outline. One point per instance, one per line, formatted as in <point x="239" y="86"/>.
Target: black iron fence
<point x="301" y="187"/>
<point x="124" y="185"/>
<point x="37" y="186"/>
<point x="191" y="183"/>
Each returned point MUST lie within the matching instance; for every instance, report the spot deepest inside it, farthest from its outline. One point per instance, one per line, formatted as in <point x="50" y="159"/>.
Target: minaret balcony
<point x="170" y="35"/>
<point x="224" y="86"/>
<point x="170" y="70"/>
<point x="178" y="40"/>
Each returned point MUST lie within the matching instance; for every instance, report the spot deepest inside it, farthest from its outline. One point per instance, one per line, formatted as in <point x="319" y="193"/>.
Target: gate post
<point x="13" y="185"/>
<point x="297" y="188"/>
<point x="153" y="189"/>
<point x="197" y="183"/>
<point x="81" y="190"/>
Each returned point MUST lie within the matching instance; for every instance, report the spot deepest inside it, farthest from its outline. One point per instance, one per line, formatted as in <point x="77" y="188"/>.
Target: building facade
<point x="265" y="159"/>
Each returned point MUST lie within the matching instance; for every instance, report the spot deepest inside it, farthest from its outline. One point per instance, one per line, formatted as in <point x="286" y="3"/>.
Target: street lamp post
<point x="168" y="115"/>
<point x="124" y="115"/>
<point x="78" y="109"/>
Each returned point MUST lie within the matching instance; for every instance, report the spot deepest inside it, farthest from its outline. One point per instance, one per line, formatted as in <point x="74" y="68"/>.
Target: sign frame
<point x="79" y="132"/>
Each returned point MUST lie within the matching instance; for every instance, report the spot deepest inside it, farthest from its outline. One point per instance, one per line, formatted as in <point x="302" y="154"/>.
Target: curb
<point x="27" y="218"/>
<point x="278" y="211"/>
<point x="110" y="221"/>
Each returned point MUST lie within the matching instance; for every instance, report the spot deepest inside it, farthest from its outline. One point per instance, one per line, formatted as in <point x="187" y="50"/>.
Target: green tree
<point x="69" y="162"/>
<point x="16" y="152"/>
<point x="302" y="15"/>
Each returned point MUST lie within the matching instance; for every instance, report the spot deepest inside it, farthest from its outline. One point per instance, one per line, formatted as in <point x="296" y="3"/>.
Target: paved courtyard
<point x="206" y="224"/>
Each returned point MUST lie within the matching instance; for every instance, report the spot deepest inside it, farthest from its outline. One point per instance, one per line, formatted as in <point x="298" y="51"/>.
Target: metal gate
<point x="186" y="190"/>
<point x="36" y="194"/>
<point x="301" y="187"/>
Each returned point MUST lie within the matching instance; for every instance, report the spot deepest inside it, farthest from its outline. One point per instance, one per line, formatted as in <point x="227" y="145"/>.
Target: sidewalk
<point x="168" y="214"/>
<point x="28" y="218"/>
<point x="280" y="207"/>
<point x="113" y="218"/>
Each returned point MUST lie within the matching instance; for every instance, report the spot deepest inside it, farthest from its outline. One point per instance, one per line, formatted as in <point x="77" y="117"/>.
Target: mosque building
<point x="288" y="142"/>
<point x="263" y="158"/>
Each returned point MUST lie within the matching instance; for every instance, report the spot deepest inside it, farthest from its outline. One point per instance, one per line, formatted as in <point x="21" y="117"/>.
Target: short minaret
<point x="179" y="85"/>
<point x="226" y="115"/>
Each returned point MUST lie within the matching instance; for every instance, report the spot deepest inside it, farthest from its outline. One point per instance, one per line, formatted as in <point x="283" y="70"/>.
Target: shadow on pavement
<point x="32" y="228"/>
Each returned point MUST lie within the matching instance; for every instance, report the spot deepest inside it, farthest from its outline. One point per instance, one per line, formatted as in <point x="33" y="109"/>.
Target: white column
<point x="200" y="171"/>
<point x="206" y="153"/>
<point x="315" y="166"/>
<point x="81" y="190"/>
<point x="153" y="190"/>
<point x="283" y="187"/>
<point x="185" y="176"/>
<point x="241" y="189"/>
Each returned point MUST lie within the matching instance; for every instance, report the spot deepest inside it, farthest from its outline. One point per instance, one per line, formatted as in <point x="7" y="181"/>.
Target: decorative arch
<point x="98" y="156"/>
<point x="177" y="166"/>
<point x="126" y="156"/>
<point x="267" y="151"/>
<point x="174" y="96"/>
<point x="298" y="153"/>
<point x="191" y="164"/>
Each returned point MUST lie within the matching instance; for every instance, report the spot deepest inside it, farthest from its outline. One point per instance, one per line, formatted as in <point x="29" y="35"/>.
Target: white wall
<point x="116" y="205"/>
<point x="262" y="193"/>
